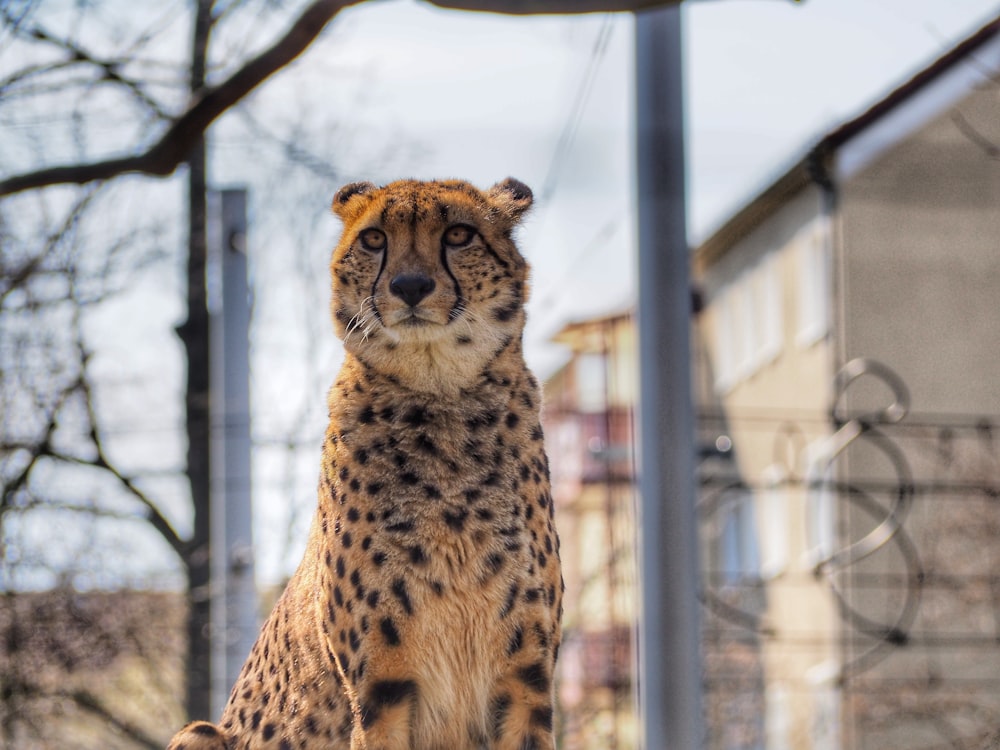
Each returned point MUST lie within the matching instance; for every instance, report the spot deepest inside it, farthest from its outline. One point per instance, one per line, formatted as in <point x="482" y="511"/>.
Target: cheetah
<point x="425" y="614"/>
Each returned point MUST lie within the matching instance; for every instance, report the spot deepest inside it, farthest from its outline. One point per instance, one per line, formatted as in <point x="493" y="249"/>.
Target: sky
<point x="409" y="90"/>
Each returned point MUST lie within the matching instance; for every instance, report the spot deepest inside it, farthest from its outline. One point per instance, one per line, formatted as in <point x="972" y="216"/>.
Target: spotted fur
<point x="425" y="612"/>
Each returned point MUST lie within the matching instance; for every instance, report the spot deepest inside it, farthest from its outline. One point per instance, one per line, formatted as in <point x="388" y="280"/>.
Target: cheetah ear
<point x="512" y="196"/>
<point x="348" y="195"/>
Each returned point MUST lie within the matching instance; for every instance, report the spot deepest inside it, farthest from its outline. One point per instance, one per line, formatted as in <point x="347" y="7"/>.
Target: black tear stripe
<point x="378" y="276"/>
<point x="460" y="302"/>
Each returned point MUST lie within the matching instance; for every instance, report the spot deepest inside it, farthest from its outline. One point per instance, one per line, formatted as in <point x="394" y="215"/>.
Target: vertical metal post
<point x="669" y="639"/>
<point x="235" y="624"/>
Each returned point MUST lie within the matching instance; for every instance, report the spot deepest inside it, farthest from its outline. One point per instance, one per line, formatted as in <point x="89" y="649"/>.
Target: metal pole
<point x="669" y="640"/>
<point x="235" y="626"/>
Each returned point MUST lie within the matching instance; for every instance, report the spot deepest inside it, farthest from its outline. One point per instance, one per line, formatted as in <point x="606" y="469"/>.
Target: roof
<point x="578" y="335"/>
<point x="816" y="166"/>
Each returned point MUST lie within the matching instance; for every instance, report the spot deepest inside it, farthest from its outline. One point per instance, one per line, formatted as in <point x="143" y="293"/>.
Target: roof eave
<point x="815" y="166"/>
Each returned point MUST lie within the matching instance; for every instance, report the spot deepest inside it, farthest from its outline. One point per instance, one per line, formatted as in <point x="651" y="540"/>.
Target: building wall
<point x="921" y="237"/>
<point x="765" y="360"/>
<point x="588" y="427"/>
<point x="921" y="276"/>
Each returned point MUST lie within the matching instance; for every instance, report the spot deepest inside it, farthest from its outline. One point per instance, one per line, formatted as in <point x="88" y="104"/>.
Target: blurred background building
<point x="846" y="340"/>
<point x="588" y="425"/>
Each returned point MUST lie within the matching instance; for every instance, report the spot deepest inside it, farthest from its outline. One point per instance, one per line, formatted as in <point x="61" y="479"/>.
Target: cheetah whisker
<point x="361" y="318"/>
<point x="463" y="314"/>
<point x="371" y="326"/>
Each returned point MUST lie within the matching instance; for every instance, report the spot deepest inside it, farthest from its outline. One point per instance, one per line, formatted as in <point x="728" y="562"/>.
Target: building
<point x="849" y="345"/>
<point x="845" y="349"/>
<point x="588" y="425"/>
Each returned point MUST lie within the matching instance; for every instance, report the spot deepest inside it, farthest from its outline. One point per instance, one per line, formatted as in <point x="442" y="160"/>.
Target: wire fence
<point x="850" y="588"/>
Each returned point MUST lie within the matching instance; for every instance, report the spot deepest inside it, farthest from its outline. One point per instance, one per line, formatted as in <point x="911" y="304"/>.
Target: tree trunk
<point x="195" y="335"/>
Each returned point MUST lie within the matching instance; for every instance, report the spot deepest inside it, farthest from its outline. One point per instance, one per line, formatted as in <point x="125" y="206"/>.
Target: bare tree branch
<point x="172" y="148"/>
<point x="153" y="515"/>
<point x="538" y="7"/>
<point x="18" y="276"/>
<point x="110" y="68"/>
<point x="89" y="508"/>
<point x="42" y="448"/>
<point x="92" y="705"/>
<point x="292" y="149"/>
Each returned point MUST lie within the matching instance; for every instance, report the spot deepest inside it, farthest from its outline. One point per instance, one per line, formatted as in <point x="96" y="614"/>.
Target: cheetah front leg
<point x="523" y="700"/>
<point x="384" y="715"/>
<point x="522" y="709"/>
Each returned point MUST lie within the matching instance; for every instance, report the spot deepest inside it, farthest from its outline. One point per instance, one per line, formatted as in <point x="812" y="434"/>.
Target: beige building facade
<point x="588" y="425"/>
<point x="849" y="352"/>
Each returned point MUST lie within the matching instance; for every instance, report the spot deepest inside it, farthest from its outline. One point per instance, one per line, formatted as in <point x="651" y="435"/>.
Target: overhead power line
<point x="566" y="139"/>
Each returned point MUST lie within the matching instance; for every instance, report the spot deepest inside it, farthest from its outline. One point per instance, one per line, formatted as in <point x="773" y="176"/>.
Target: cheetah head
<point x="428" y="285"/>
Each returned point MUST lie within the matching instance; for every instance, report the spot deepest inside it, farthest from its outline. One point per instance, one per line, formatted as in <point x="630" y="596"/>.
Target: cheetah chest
<point x="439" y="550"/>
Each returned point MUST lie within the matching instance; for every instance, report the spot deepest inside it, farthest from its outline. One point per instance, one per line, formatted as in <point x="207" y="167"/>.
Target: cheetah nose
<point x="411" y="287"/>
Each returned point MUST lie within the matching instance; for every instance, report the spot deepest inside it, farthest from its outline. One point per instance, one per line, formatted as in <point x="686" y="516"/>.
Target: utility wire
<point x="563" y="149"/>
<point x="568" y="136"/>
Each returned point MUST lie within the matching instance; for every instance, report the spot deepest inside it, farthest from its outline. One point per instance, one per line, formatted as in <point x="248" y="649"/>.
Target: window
<point x="739" y="557"/>
<point x="775" y="526"/>
<point x="813" y="259"/>
<point x="821" y="503"/>
<point x="778" y="718"/>
<point x="749" y="324"/>
<point x="591" y="383"/>
<point x="767" y="291"/>
<point x="824" y="731"/>
<point x="725" y="341"/>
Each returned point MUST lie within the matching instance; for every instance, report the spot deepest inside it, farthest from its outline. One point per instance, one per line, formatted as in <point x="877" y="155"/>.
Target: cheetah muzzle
<point x="425" y="612"/>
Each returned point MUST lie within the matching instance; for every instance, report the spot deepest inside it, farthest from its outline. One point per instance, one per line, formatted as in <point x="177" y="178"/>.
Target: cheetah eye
<point x="373" y="239"/>
<point x="458" y="235"/>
